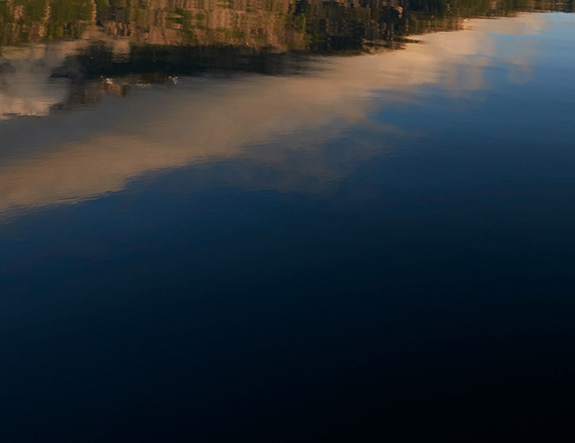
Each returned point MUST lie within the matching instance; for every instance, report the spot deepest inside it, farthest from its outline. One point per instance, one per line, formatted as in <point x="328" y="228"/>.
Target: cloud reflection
<point x="69" y="157"/>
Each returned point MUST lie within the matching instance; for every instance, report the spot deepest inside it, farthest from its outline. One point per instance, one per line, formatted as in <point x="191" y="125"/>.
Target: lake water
<point x="280" y="221"/>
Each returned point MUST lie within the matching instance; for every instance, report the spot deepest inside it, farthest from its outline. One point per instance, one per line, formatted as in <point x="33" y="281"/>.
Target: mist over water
<point x="280" y="221"/>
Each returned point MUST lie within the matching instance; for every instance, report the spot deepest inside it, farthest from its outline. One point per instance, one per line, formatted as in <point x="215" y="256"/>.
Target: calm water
<point x="287" y="221"/>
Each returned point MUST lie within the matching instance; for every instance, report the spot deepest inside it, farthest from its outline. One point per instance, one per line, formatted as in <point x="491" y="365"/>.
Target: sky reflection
<point x="67" y="157"/>
<point x="365" y="238"/>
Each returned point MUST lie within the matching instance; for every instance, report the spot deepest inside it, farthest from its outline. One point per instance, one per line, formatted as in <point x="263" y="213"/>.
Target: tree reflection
<point x="102" y="46"/>
<point x="252" y="25"/>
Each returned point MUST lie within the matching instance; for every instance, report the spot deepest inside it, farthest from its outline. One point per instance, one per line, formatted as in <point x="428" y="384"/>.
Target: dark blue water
<point x="378" y="248"/>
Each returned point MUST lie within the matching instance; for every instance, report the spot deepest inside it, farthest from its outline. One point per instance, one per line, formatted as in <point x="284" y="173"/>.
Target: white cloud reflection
<point x="69" y="157"/>
<point x="25" y="88"/>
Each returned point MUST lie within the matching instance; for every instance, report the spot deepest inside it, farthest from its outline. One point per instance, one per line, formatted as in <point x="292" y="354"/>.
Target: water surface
<point x="283" y="221"/>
